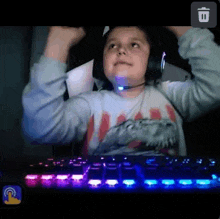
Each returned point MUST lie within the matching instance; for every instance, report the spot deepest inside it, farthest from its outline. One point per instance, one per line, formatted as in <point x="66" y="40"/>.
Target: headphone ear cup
<point x="154" y="70"/>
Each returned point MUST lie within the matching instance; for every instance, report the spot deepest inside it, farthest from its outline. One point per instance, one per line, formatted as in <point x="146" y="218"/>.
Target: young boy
<point x="135" y="121"/>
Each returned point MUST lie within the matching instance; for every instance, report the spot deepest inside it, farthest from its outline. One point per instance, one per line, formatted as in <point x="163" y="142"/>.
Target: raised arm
<point x="47" y="118"/>
<point x="200" y="95"/>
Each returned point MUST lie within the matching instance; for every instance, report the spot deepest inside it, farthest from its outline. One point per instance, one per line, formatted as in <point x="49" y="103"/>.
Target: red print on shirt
<point x="120" y="119"/>
<point x="155" y="114"/>
<point x="88" y="135"/>
<point x="138" y="116"/>
<point x="171" y="113"/>
<point x="104" y="127"/>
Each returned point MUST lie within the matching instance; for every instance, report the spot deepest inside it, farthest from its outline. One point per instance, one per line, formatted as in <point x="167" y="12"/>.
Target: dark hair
<point x="153" y="72"/>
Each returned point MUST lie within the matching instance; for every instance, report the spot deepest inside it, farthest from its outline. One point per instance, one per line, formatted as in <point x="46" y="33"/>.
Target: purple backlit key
<point x="78" y="171"/>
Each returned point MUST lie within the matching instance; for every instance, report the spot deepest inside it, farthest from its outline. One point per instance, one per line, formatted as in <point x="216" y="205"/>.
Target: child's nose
<point x="122" y="50"/>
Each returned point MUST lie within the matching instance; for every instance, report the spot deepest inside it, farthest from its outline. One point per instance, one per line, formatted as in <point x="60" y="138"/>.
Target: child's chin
<point x="119" y="80"/>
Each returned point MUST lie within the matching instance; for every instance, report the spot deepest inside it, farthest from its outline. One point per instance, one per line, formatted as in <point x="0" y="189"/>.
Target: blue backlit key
<point x="111" y="174"/>
<point x="111" y="171"/>
<point x="128" y="174"/>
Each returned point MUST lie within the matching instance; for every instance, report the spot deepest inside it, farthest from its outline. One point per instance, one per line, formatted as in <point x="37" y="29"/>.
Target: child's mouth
<point x="122" y="63"/>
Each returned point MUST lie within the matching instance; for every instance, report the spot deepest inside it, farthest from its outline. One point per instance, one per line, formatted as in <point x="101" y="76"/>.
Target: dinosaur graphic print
<point x="143" y="136"/>
<point x="138" y="136"/>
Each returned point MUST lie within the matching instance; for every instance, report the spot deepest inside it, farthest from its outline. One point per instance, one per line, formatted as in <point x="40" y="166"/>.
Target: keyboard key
<point x="168" y="182"/>
<point x="128" y="173"/>
<point x="129" y="182"/>
<point x="95" y="172"/>
<point x="111" y="172"/>
<point x="111" y="182"/>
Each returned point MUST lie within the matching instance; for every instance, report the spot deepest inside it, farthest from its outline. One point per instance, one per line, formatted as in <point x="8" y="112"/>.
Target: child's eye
<point x="112" y="46"/>
<point x="135" y="45"/>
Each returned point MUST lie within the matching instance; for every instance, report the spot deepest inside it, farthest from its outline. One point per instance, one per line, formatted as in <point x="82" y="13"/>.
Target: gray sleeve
<point x="194" y="98"/>
<point x="47" y="118"/>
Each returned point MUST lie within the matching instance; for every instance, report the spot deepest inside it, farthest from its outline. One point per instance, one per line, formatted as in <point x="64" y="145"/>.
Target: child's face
<point x="128" y="45"/>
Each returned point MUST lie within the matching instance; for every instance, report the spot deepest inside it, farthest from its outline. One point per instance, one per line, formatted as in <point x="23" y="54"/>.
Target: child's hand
<point x="178" y="30"/>
<point x="66" y="35"/>
<point x="60" y="39"/>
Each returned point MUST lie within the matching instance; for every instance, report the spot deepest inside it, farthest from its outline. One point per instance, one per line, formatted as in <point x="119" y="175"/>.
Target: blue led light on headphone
<point x="120" y="88"/>
<point x="163" y="61"/>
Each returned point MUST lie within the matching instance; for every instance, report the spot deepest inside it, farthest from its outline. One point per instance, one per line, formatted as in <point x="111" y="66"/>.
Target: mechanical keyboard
<point x="127" y="173"/>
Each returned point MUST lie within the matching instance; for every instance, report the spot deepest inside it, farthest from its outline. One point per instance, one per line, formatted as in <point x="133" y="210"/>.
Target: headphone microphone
<point x="128" y="87"/>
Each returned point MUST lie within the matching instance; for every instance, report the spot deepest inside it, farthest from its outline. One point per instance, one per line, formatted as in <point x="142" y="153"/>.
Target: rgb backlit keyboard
<point x="126" y="172"/>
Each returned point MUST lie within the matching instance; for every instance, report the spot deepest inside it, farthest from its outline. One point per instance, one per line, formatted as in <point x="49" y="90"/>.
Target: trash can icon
<point x="203" y="14"/>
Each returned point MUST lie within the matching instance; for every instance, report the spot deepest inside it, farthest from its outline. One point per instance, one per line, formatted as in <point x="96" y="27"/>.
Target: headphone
<point x="155" y="68"/>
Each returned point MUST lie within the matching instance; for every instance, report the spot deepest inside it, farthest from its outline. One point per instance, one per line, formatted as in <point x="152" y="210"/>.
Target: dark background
<point x="21" y="46"/>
